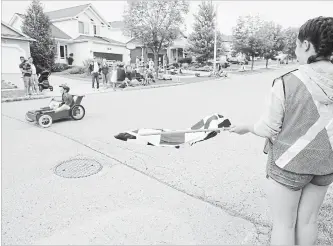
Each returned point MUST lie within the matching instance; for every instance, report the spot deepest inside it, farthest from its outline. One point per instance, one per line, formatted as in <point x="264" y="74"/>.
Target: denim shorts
<point x="295" y="181"/>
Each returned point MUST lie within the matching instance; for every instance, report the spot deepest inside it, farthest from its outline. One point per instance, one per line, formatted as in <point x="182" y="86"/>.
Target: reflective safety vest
<point x="305" y="142"/>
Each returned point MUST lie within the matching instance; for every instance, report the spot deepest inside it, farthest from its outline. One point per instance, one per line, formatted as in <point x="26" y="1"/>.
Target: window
<point x="62" y="51"/>
<point x="96" y="30"/>
<point x="81" y="27"/>
<point x="66" y="51"/>
<point x="86" y="28"/>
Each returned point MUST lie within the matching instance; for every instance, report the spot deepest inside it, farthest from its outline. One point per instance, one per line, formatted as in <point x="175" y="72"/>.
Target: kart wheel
<point x="40" y="88"/>
<point x="51" y="88"/>
<point x="78" y="112"/>
<point x="45" y="121"/>
<point x="27" y="118"/>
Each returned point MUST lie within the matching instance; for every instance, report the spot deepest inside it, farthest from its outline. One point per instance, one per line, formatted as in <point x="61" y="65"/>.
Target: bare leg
<point x="311" y="201"/>
<point x="284" y="205"/>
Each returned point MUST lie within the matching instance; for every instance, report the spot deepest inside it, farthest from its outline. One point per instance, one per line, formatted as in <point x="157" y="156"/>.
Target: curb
<point x="23" y="98"/>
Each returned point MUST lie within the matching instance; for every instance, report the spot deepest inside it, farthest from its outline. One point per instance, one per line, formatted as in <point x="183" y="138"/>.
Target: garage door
<point x="109" y="56"/>
<point x="11" y="58"/>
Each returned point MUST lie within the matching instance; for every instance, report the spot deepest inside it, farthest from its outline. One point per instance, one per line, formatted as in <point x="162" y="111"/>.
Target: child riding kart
<point x="68" y="107"/>
<point x="66" y="101"/>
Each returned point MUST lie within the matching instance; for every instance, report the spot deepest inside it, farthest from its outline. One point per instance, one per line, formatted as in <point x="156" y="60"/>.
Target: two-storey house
<point x="81" y="30"/>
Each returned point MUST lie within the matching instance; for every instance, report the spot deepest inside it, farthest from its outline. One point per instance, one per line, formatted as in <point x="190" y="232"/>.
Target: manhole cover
<point x="78" y="168"/>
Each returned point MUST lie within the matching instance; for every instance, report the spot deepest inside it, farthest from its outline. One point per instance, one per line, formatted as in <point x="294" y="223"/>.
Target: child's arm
<point x="271" y="121"/>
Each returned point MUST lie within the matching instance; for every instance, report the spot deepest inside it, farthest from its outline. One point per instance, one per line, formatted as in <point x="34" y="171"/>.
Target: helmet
<point x="66" y="87"/>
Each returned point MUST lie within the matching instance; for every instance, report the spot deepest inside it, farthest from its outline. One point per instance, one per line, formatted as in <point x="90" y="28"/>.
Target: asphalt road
<point x="210" y="193"/>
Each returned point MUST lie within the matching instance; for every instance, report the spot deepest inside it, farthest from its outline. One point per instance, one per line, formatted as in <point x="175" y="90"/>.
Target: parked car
<point x="235" y="60"/>
<point x="232" y="60"/>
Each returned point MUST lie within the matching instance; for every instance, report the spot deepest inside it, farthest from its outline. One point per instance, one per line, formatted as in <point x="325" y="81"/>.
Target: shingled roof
<point x="67" y="12"/>
<point x="99" y="39"/>
<point x="57" y="33"/>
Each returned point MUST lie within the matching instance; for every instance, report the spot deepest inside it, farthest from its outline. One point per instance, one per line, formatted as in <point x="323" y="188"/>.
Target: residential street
<point x="210" y="193"/>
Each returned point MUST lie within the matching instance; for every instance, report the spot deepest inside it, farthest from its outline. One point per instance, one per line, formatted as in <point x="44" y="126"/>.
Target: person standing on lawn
<point x="298" y="126"/>
<point x="26" y="72"/>
<point x="95" y="69"/>
<point x="105" y="73"/>
<point x="34" y="78"/>
<point x="23" y="61"/>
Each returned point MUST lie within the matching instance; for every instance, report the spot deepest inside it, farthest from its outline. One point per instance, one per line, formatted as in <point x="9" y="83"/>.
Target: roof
<point x="67" y="12"/>
<point x="98" y="39"/>
<point x="113" y="41"/>
<point x="21" y="15"/>
<point x="117" y="24"/>
<point x="8" y="31"/>
<point x="57" y="33"/>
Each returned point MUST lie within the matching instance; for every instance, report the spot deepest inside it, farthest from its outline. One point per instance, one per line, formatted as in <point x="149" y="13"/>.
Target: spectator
<point x="34" y="78"/>
<point x="121" y="73"/>
<point x="114" y="76"/>
<point x="22" y="59"/>
<point x="95" y="69"/>
<point x="105" y="73"/>
<point x="151" y="64"/>
<point x="26" y="72"/>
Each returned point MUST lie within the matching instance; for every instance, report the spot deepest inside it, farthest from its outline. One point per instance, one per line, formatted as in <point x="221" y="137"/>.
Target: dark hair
<point x="21" y="57"/>
<point x="318" y="31"/>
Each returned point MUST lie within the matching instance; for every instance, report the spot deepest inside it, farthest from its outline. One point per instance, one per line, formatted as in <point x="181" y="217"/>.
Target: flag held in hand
<point x="206" y="128"/>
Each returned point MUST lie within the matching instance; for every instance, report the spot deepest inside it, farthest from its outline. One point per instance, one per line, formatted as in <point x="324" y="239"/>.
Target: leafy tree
<point x="290" y="36"/>
<point x="37" y="25"/>
<point x="156" y="23"/>
<point x="203" y="36"/>
<point x="247" y="36"/>
<point x="272" y="40"/>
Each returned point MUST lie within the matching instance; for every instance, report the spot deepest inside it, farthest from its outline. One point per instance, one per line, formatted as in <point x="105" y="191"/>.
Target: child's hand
<point x="240" y="129"/>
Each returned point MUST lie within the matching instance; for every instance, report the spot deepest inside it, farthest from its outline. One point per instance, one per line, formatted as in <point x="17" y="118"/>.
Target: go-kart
<point x="46" y="116"/>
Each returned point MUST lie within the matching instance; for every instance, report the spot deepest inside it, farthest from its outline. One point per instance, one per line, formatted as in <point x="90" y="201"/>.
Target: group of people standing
<point x="118" y="74"/>
<point x="29" y="75"/>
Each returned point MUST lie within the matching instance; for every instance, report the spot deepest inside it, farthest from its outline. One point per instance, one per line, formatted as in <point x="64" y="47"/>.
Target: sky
<point x="285" y="13"/>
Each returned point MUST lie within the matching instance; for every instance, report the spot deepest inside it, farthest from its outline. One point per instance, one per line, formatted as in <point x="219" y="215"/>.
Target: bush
<point x="59" y="67"/>
<point x="185" y="65"/>
<point x="76" y="70"/>
<point x="176" y="65"/>
<point x="185" y="60"/>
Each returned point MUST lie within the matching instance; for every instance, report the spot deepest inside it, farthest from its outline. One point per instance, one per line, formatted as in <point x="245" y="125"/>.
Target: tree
<point x="247" y="37"/>
<point x="155" y="23"/>
<point x="37" y="25"/>
<point x="272" y="40"/>
<point x="290" y="36"/>
<point x="203" y="36"/>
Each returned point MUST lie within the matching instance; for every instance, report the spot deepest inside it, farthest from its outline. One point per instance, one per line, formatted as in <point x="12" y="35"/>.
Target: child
<point x="66" y="101"/>
<point x="299" y="128"/>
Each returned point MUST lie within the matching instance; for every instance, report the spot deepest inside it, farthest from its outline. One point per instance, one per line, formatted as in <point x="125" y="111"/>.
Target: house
<point x="14" y="44"/>
<point x="174" y="52"/>
<point x="82" y="31"/>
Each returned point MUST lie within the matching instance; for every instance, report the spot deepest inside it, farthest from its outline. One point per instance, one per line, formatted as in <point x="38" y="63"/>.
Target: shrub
<point x="185" y="65"/>
<point x="176" y="65"/>
<point x="59" y="67"/>
<point x="185" y="60"/>
<point x="76" y="70"/>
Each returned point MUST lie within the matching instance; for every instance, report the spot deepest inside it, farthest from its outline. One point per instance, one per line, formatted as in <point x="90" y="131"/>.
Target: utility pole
<point x="215" y="48"/>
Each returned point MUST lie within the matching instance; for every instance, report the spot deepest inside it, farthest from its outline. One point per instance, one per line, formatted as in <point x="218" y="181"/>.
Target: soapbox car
<point x="46" y="116"/>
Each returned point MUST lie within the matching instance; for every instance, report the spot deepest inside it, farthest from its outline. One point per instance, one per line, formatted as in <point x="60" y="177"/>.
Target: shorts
<point x="295" y="181"/>
<point x="27" y="81"/>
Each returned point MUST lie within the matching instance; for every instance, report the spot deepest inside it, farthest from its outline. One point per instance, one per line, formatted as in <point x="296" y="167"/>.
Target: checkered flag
<point x="206" y="128"/>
